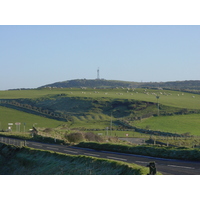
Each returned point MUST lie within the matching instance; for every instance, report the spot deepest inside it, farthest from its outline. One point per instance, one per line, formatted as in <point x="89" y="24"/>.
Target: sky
<point x="35" y="55"/>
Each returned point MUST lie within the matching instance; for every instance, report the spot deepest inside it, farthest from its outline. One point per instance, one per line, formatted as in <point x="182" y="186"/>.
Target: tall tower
<point x="98" y="73"/>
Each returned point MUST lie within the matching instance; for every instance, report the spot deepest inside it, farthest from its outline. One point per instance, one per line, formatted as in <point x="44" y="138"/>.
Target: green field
<point x="89" y="108"/>
<point x="174" y="124"/>
<point x="167" y="97"/>
<point x="8" y="115"/>
<point x="115" y="133"/>
<point x="91" y="121"/>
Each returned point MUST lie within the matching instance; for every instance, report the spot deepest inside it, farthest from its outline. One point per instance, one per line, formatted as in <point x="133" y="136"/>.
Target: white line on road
<point x="116" y="158"/>
<point x="181" y="166"/>
<point x="141" y="162"/>
<point x="90" y="154"/>
<point x="37" y="145"/>
<point x="52" y="148"/>
<point x="71" y="151"/>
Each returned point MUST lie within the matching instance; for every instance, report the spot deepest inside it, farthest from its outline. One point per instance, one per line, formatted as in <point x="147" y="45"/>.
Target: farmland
<point x="167" y="97"/>
<point x="91" y="108"/>
<point x="174" y="124"/>
<point x="8" y="115"/>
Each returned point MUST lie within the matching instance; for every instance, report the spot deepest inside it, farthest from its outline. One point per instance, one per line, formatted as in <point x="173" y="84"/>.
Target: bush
<point x="92" y="137"/>
<point x="79" y="137"/>
<point x="47" y="130"/>
<point x="75" y="137"/>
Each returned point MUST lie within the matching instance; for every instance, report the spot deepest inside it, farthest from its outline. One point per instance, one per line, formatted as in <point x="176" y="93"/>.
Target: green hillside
<point x="8" y="115"/>
<point x="174" y="124"/>
<point x="98" y="83"/>
<point x="102" y="83"/>
<point x="93" y="108"/>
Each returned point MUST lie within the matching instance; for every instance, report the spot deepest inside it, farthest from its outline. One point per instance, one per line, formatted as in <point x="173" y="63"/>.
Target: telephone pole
<point x="158" y="103"/>
<point x="98" y="73"/>
<point x="111" y="124"/>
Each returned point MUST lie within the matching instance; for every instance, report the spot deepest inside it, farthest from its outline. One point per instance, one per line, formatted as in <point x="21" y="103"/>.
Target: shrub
<point x="47" y="130"/>
<point x="92" y="137"/>
<point x="75" y="137"/>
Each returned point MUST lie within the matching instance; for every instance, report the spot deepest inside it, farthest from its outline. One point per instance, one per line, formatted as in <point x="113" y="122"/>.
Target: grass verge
<point x="180" y="153"/>
<point x="28" y="161"/>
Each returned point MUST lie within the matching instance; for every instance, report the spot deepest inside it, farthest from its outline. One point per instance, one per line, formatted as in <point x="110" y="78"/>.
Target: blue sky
<point x="32" y="56"/>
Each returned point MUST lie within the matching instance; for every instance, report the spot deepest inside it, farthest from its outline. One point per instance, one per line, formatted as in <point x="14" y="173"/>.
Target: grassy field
<point x="167" y="97"/>
<point x="116" y="133"/>
<point x="99" y="118"/>
<point x="8" y="115"/>
<point x="90" y="124"/>
<point x="93" y="121"/>
<point x="175" y="124"/>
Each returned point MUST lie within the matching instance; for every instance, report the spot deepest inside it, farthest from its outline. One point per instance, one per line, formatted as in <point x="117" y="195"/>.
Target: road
<point x="165" y="166"/>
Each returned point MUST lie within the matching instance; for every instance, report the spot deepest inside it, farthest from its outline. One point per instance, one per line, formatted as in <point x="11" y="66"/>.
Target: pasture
<point x="166" y="97"/>
<point x="8" y="115"/>
<point x="174" y="124"/>
<point x="92" y="121"/>
<point x="97" y="120"/>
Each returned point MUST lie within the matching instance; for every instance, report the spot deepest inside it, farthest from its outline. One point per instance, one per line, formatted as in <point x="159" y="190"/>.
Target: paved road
<point x="165" y="166"/>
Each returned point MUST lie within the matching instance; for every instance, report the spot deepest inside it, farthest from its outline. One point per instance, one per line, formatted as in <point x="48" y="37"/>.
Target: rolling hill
<point x="85" y="106"/>
<point x="98" y="83"/>
<point x="102" y="83"/>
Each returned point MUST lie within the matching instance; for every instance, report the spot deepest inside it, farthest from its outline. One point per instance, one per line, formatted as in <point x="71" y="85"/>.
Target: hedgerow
<point x="155" y="151"/>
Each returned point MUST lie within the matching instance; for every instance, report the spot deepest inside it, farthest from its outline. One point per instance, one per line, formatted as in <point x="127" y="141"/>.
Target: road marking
<point x="71" y="151"/>
<point x="90" y="154"/>
<point x="52" y="148"/>
<point x="117" y="158"/>
<point x="37" y="145"/>
<point x="141" y="162"/>
<point x="181" y="166"/>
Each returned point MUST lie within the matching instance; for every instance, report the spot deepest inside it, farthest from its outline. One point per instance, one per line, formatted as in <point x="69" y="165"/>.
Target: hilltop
<point x="98" y="83"/>
<point x="102" y="83"/>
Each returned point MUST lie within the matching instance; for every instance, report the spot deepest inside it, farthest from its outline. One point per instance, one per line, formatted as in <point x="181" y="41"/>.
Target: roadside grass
<point x="73" y="137"/>
<point x="28" y="161"/>
<point x="181" y="153"/>
<point x="182" y="142"/>
<point x="64" y="135"/>
<point x="19" y="135"/>
<point x="180" y="124"/>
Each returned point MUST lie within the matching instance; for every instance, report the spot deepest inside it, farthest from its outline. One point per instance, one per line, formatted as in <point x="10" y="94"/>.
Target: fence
<point x="12" y="141"/>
